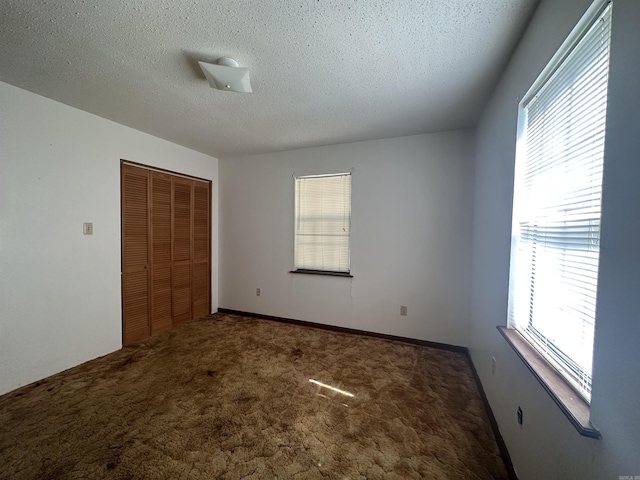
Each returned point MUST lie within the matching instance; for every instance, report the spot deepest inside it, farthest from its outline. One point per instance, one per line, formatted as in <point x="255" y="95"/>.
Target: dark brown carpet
<point x="230" y="397"/>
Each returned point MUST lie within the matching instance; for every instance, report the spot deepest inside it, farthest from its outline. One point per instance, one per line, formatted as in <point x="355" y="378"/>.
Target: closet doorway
<point x="166" y="249"/>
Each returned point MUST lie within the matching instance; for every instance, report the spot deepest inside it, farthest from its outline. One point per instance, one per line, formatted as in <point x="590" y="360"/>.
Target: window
<point x="557" y="197"/>
<point x="323" y="223"/>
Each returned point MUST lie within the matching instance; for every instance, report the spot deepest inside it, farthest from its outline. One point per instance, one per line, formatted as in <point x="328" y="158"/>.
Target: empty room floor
<point x="232" y="397"/>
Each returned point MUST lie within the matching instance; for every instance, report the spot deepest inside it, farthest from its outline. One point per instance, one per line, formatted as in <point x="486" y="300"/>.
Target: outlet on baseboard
<point x="258" y="292"/>
<point x="403" y="310"/>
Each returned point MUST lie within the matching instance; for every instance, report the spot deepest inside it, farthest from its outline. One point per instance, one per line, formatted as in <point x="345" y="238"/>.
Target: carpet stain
<point x="230" y="397"/>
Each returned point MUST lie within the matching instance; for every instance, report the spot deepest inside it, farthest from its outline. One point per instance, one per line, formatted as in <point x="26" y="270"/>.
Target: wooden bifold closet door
<point x="166" y="251"/>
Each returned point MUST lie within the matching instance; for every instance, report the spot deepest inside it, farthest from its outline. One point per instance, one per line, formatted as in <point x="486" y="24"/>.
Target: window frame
<point x="550" y="374"/>
<point x="320" y="271"/>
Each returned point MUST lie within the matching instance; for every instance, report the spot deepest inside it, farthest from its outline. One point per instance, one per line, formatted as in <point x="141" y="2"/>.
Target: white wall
<point x="60" y="290"/>
<point x="547" y="446"/>
<point x="411" y="217"/>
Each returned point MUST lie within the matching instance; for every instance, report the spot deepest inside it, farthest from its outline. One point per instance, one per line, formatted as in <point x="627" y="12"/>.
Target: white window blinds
<point x="323" y="222"/>
<point x="556" y="213"/>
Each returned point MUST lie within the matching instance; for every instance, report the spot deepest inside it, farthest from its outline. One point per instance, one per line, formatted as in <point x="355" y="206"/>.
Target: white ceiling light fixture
<point x="226" y="74"/>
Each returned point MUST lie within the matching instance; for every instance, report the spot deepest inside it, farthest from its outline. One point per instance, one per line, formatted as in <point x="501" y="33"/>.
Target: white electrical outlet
<point x="87" y="228"/>
<point x="258" y="292"/>
<point x="403" y="310"/>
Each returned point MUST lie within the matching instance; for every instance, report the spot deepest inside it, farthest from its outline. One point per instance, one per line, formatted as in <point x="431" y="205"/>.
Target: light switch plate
<point x="87" y="228"/>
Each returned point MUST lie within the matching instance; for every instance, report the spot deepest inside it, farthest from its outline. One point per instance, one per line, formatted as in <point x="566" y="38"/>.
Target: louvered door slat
<point x="181" y="293"/>
<point x="200" y="282"/>
<point x="201" y="289"/>
<point x="135" y="254"/>
<point x="161" y="217"/>
<point x="181" y="219"/>
<point x="160" y="252"/>
<point x="200" y="220"/>
<point x="135" y="232"/>
<point x="182" y="235"/>
<point x="161" y="320"/>
<point x="136" y="306"/>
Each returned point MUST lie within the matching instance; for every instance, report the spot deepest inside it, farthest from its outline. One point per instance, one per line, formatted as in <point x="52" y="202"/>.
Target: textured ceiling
<point x="322" y="71"/>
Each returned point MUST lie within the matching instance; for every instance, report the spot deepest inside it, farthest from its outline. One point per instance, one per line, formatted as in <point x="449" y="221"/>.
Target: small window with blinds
<point x="323" y="223"/>
<point x="557" y="198"/>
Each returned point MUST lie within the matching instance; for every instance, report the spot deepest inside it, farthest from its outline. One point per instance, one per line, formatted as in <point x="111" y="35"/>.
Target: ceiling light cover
<point x="227" y="75"/>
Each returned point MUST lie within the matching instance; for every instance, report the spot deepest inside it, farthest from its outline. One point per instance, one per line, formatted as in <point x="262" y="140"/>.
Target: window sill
<point x="322" y="272"/>
<point x="571" y="404"/>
